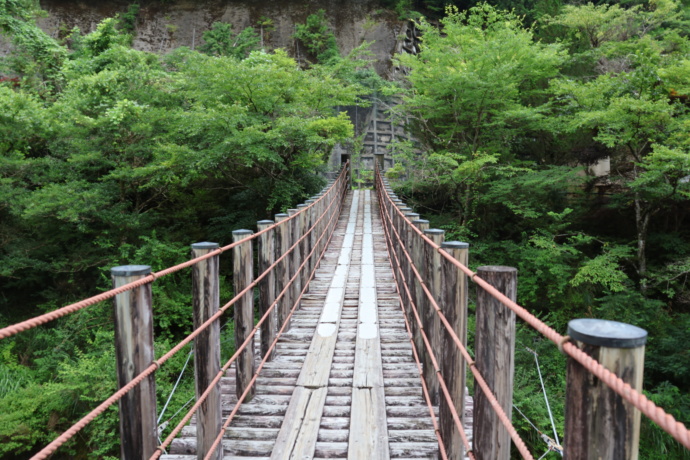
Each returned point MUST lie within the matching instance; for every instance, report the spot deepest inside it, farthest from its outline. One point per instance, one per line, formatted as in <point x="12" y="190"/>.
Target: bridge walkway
<point x="344" y="383"/>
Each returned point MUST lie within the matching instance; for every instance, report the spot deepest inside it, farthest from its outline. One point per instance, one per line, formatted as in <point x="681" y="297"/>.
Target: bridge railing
<point x="289" y="250"/>
<point x="602" y="417"/>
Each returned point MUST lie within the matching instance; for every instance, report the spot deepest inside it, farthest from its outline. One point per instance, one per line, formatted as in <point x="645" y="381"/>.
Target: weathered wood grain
<point x="454" y="306"/>
<point x="495" y="358"/>
<point x="431" y="321"/>
<point x="599" y="424"/>
<point x="133" y="318"/>
<point x="368" y="431"/>
<point x="206" y="302"/>
<point x="243" y="275"/>
<point x="267" y="286"/>
<point x="282" y="244"/>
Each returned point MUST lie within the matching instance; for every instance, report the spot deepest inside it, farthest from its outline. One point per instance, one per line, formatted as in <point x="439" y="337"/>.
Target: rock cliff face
<point x="166" y="24"/>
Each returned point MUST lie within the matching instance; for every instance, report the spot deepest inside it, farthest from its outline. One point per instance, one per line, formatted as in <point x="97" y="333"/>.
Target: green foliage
<point x="38" y="57"/>
<point x="128" y="19"/>
<point x="503" y="120"/>
<point x="219" y="41"/>
<point x="478" y="103"/>
<point x="319" y="40"/>
<point x="129" y="159"/>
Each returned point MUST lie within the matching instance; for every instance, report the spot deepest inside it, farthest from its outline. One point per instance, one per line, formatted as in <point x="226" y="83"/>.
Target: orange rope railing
<point x="504" y="419"/>
<point x="72" y="308"/>
<point x="69" y="433"/>
<point x="456" y="418"/>
<point x="666" y="421"/>
<point x="250" y="337"/>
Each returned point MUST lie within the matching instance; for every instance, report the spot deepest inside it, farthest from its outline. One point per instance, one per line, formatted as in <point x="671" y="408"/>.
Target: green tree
<point x="631" y="113"/>
<point x="317" y="37"/>
<point x="219" y="41"/>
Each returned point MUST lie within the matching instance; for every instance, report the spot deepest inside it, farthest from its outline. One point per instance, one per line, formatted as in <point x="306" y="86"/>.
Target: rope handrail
<point x="70" y="432"/>
<point x="456" y="417"/>
<point x="656" y="414"/>
<point x="270" y="350"/>
<point x="503" y="418"/>
<point x="30" y="323"/>
<point x="249" y="339"/>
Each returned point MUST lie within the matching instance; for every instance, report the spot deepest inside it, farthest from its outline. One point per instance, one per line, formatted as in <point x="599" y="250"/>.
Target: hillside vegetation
<point x="109" y="155"/>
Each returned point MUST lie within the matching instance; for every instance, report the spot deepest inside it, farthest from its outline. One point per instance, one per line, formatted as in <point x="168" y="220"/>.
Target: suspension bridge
<point x="360" y="350"/>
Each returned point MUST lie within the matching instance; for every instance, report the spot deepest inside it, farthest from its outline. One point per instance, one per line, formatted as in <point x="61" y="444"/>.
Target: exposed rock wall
<point x="166" y="24"/>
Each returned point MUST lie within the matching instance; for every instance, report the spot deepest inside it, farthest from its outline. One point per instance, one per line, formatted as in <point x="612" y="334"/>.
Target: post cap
<point x="308" y="202"/>
<point x="434" y="231"/>
<point x="605" y="333"/>
<point x="404" y="210"/>
<point x="241" y="232"/>
<point x="455" y="245"/>
<point x="130" y="270"/>
<point x="265" y="222"/>
<point x="420" y="221"/>
<point x="281" y="215"/>
<point x="302" y="206"/>
<point x="205" y="245"/>
<point x="412" y="215"/>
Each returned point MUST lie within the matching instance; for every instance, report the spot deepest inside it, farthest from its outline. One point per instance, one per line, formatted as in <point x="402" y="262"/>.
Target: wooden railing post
<point x="418" y="259"/>
<point x="134" y="352"/>
<point x="495" y="360"/>
<point x="454" y="307"/>
<point x="409" y="273"/>
<point x="399" y="249"/>
<point x="267" y="287"/>
<point x="206" y="302"/>
<point x="316" y="213"/>
<point x="599" y="424"/>
<point x="431" y="320"/>
<point x="311" y="239"/>
<point x="295" y="258"/>
<point x="303" y="223"/>
<point x="283" y="271"/>
<point x="243" y="275"/>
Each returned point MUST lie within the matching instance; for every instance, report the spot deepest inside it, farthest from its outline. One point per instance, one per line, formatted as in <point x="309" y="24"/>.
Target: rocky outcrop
<point x="165" y="24"/>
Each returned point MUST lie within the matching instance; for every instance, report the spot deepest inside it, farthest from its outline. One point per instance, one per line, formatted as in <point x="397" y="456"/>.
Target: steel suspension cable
<point x="69" y="433"/>
<point x="666" y="421"/>
<point x="72" y="308"/>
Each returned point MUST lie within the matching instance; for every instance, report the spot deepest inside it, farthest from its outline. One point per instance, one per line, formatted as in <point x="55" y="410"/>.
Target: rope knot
<point x="562" y="342"/>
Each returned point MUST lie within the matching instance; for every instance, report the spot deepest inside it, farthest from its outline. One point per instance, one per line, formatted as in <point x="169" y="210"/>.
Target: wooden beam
<point x="431" y="320"/>
<point x="206" y="302"/>
<point x="368" y="426"/>
<point x="495" y="360"/>
<point x="599" y="424"/>
<point x="454" y="307"/>
<point x="267" y="287"/>
<point x="418" y="259"/>
<point x="133" y="317"/>
<point x="243" y="275"/>
<point x="282" y="238"/>
<point x="295" y="257"/>
<point x="298" y="433"/>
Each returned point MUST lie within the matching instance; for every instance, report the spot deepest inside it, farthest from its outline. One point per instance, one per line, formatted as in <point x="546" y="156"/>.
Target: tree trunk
<point x="642" y="223"/>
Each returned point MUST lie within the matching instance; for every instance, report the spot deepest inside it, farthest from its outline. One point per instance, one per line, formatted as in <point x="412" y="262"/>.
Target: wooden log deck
<point x="343" y="382"/>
